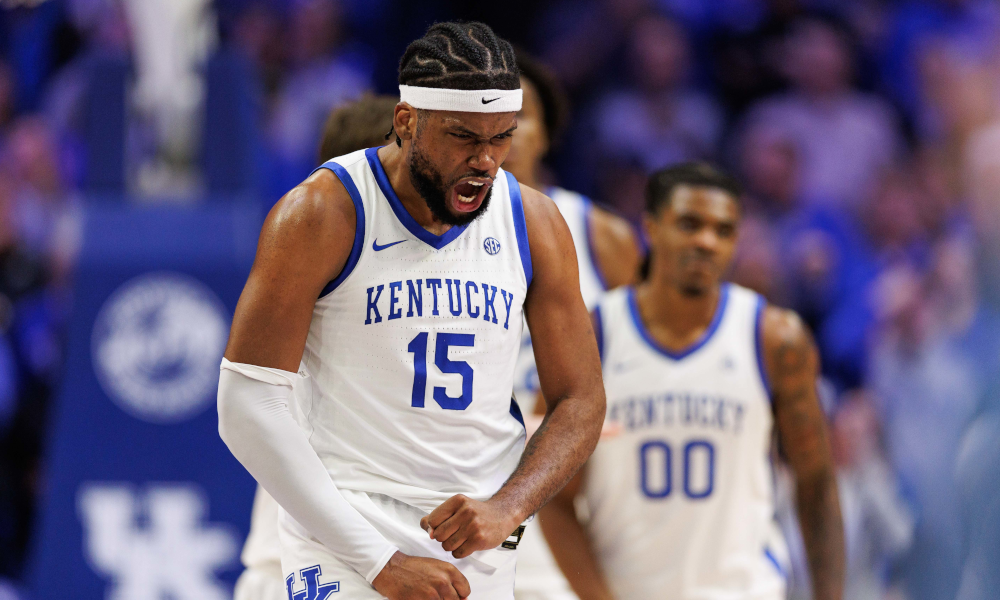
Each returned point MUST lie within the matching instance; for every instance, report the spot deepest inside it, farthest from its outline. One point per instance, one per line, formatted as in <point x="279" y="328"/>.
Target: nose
<point x="483" y="159"/>
<point x="707" y="240"/>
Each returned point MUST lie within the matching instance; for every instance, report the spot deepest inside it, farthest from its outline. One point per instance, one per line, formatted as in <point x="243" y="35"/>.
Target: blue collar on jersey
<point x="435" y="241"/>
<point x="720" y="309"/>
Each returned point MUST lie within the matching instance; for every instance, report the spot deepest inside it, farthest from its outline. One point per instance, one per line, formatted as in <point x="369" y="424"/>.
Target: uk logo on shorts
<point x="314" y="589"/>
<point x="491" y="245"/>
<point x="156" y="346"/>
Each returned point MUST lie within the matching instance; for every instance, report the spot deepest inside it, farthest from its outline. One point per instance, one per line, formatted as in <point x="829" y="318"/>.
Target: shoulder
<point x="783" y="327"/>
<point x="319" y="202"/>
<point x="536" y="204"/>
<point x="789" y="349"/>
<point x="615" y="249"/>
<point x="314" y="223"/>
<point x="549" y="239"/>
<point x="542" y="217"/>
<point x="609" y="229"/>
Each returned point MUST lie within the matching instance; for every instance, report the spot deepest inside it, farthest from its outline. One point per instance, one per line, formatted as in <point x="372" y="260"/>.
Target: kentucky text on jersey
<point x="470" y="298"/>
<point x="678" y="408"/>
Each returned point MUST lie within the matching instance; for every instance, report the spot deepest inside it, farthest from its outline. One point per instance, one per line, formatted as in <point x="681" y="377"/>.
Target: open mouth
<point x="468" y="195"/>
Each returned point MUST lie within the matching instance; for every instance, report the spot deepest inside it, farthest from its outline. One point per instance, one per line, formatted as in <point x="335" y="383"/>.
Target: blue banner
<point x="144" y="501"/>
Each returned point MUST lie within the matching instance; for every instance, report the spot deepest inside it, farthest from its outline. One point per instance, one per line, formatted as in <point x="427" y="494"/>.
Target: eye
<point x="503" y="136"/>
<point x="688" y="224"/>
<point x="462" y="136"/>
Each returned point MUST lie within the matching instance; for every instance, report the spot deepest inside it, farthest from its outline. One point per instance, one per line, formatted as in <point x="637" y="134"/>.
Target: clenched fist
<point x="407" y="577"/>
<point x="464" y="525"/>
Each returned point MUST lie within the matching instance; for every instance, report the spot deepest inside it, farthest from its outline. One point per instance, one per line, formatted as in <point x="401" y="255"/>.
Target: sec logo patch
<point x="491" y="245"/>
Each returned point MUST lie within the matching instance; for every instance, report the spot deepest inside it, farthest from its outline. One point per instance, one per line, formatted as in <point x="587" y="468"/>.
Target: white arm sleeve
<point x="256" y="424"/>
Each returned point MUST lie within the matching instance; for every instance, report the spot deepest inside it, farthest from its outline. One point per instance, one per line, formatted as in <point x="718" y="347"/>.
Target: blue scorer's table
<point x="143" y="500"/>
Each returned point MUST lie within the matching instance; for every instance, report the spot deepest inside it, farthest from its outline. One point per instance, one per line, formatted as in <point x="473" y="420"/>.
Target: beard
<point x="432" y="188"/>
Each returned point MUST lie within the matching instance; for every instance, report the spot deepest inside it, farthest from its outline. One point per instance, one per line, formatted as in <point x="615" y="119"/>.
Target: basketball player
<point x="698" y="373"/>
<point x="355" y="126"/>
<point x="606" y="249"/>
<point x="607" y="256"/>
<point x="379" y="415"/>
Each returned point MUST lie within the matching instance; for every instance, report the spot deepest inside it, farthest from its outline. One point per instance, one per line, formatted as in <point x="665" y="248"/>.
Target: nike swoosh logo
<point x="378" y="248"/>
<point x="485" y="101"/>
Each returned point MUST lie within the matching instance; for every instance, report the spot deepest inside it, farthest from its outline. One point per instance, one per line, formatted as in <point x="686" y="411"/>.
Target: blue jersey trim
<point x="435" y="241"/>
<point x="520" y="229"/>
<point x="588" y="209"/>
<point x="598" y="331"/>
<point x="758" y="336"/>
<point x="720" y="310"/>
<point x="515" y="411"/>
<point x="359" y="225"/>
<point x="774" y="561"/>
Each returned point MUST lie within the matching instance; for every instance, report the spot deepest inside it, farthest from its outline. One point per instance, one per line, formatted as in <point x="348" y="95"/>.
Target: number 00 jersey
<point x="681" y="501"/>
<point x="410" y="355"/>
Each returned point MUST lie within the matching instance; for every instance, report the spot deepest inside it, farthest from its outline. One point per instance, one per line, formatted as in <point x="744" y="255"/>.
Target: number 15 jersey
<point x="410" y="355"/>
<point x="681" y="501"/>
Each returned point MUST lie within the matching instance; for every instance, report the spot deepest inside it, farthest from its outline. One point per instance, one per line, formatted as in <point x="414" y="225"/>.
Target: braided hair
<point x="460" y="56"/>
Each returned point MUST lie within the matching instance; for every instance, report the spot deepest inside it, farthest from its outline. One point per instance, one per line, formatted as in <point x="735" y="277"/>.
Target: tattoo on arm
<point x="794" y="366"/>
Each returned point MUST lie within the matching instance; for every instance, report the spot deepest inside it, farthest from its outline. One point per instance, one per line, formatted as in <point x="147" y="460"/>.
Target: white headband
<point x="479" y="101"/>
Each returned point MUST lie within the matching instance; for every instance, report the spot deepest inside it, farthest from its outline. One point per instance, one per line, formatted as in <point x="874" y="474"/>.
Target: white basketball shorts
<point x="260" y="583"/>
<point x="307" y="563"/>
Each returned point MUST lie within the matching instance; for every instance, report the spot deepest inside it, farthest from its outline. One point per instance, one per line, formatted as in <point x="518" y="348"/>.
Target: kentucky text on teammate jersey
<point x="678" y="408"/>
<point x="480" y="299"/>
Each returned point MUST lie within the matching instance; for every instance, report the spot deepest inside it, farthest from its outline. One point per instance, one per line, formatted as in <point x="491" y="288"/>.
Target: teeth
<point x="476" y="184"/>
<point x="466" y="199"/>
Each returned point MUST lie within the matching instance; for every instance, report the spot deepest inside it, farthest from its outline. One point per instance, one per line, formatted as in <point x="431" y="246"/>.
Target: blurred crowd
<point x="867" y="133"/>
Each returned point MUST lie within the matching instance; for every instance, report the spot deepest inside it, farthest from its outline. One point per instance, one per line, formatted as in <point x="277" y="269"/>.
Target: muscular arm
<point x="569" y="367"/>
<point x="793" y="365"/>
<point x="569" y="542"/>
<point x="569" y="372"/>
<point x="615" y="249"/>
<point x="304" y="244"/>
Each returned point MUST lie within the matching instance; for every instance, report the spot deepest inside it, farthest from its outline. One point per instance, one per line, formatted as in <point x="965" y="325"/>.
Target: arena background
<point x="142" y="141"/>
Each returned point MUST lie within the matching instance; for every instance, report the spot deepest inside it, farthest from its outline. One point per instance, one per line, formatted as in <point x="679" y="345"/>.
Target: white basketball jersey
<point x="409" y="360"/>
<point x="538" y="576"/>
<point x="681" y="502"/>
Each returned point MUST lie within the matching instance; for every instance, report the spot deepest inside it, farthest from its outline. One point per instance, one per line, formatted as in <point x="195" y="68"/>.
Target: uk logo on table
<point x="153" y="543"/>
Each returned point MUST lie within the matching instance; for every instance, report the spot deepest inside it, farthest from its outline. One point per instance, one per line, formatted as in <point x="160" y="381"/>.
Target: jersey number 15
<point x="418" y="346"/>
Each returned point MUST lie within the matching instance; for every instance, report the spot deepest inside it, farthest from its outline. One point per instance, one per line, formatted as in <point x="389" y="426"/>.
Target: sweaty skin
<point x="305" y="243"/>
<point x="692" y="242"/>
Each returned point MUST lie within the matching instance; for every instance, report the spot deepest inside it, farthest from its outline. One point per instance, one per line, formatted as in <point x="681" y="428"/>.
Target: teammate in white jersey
<point x="354" y="126"/>
<point x="698" y="374"/>
<point x="608" y="256"/>
<point x="380" y="415"/>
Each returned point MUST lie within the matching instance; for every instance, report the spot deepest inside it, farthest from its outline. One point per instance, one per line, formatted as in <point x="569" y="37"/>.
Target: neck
<point x="674" y="318"/>
<point x="394" y="162"/>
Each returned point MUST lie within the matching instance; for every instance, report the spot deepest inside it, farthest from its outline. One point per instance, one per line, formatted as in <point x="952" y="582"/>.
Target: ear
<point x="404" y="121"/>
<point x="648" y="225"/>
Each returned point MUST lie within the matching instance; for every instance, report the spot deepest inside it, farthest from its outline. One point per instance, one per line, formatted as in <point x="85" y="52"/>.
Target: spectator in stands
<point x="658" y="119"/>
<point x="932" y="351"/>
<point x="323" y="75"/>
<point x="972" y="27"/>
<point x="878" y="524"/>
<point x="844" y="137"/>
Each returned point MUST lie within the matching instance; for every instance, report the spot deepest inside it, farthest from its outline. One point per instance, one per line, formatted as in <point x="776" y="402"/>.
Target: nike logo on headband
<point x="485" y="101"/>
